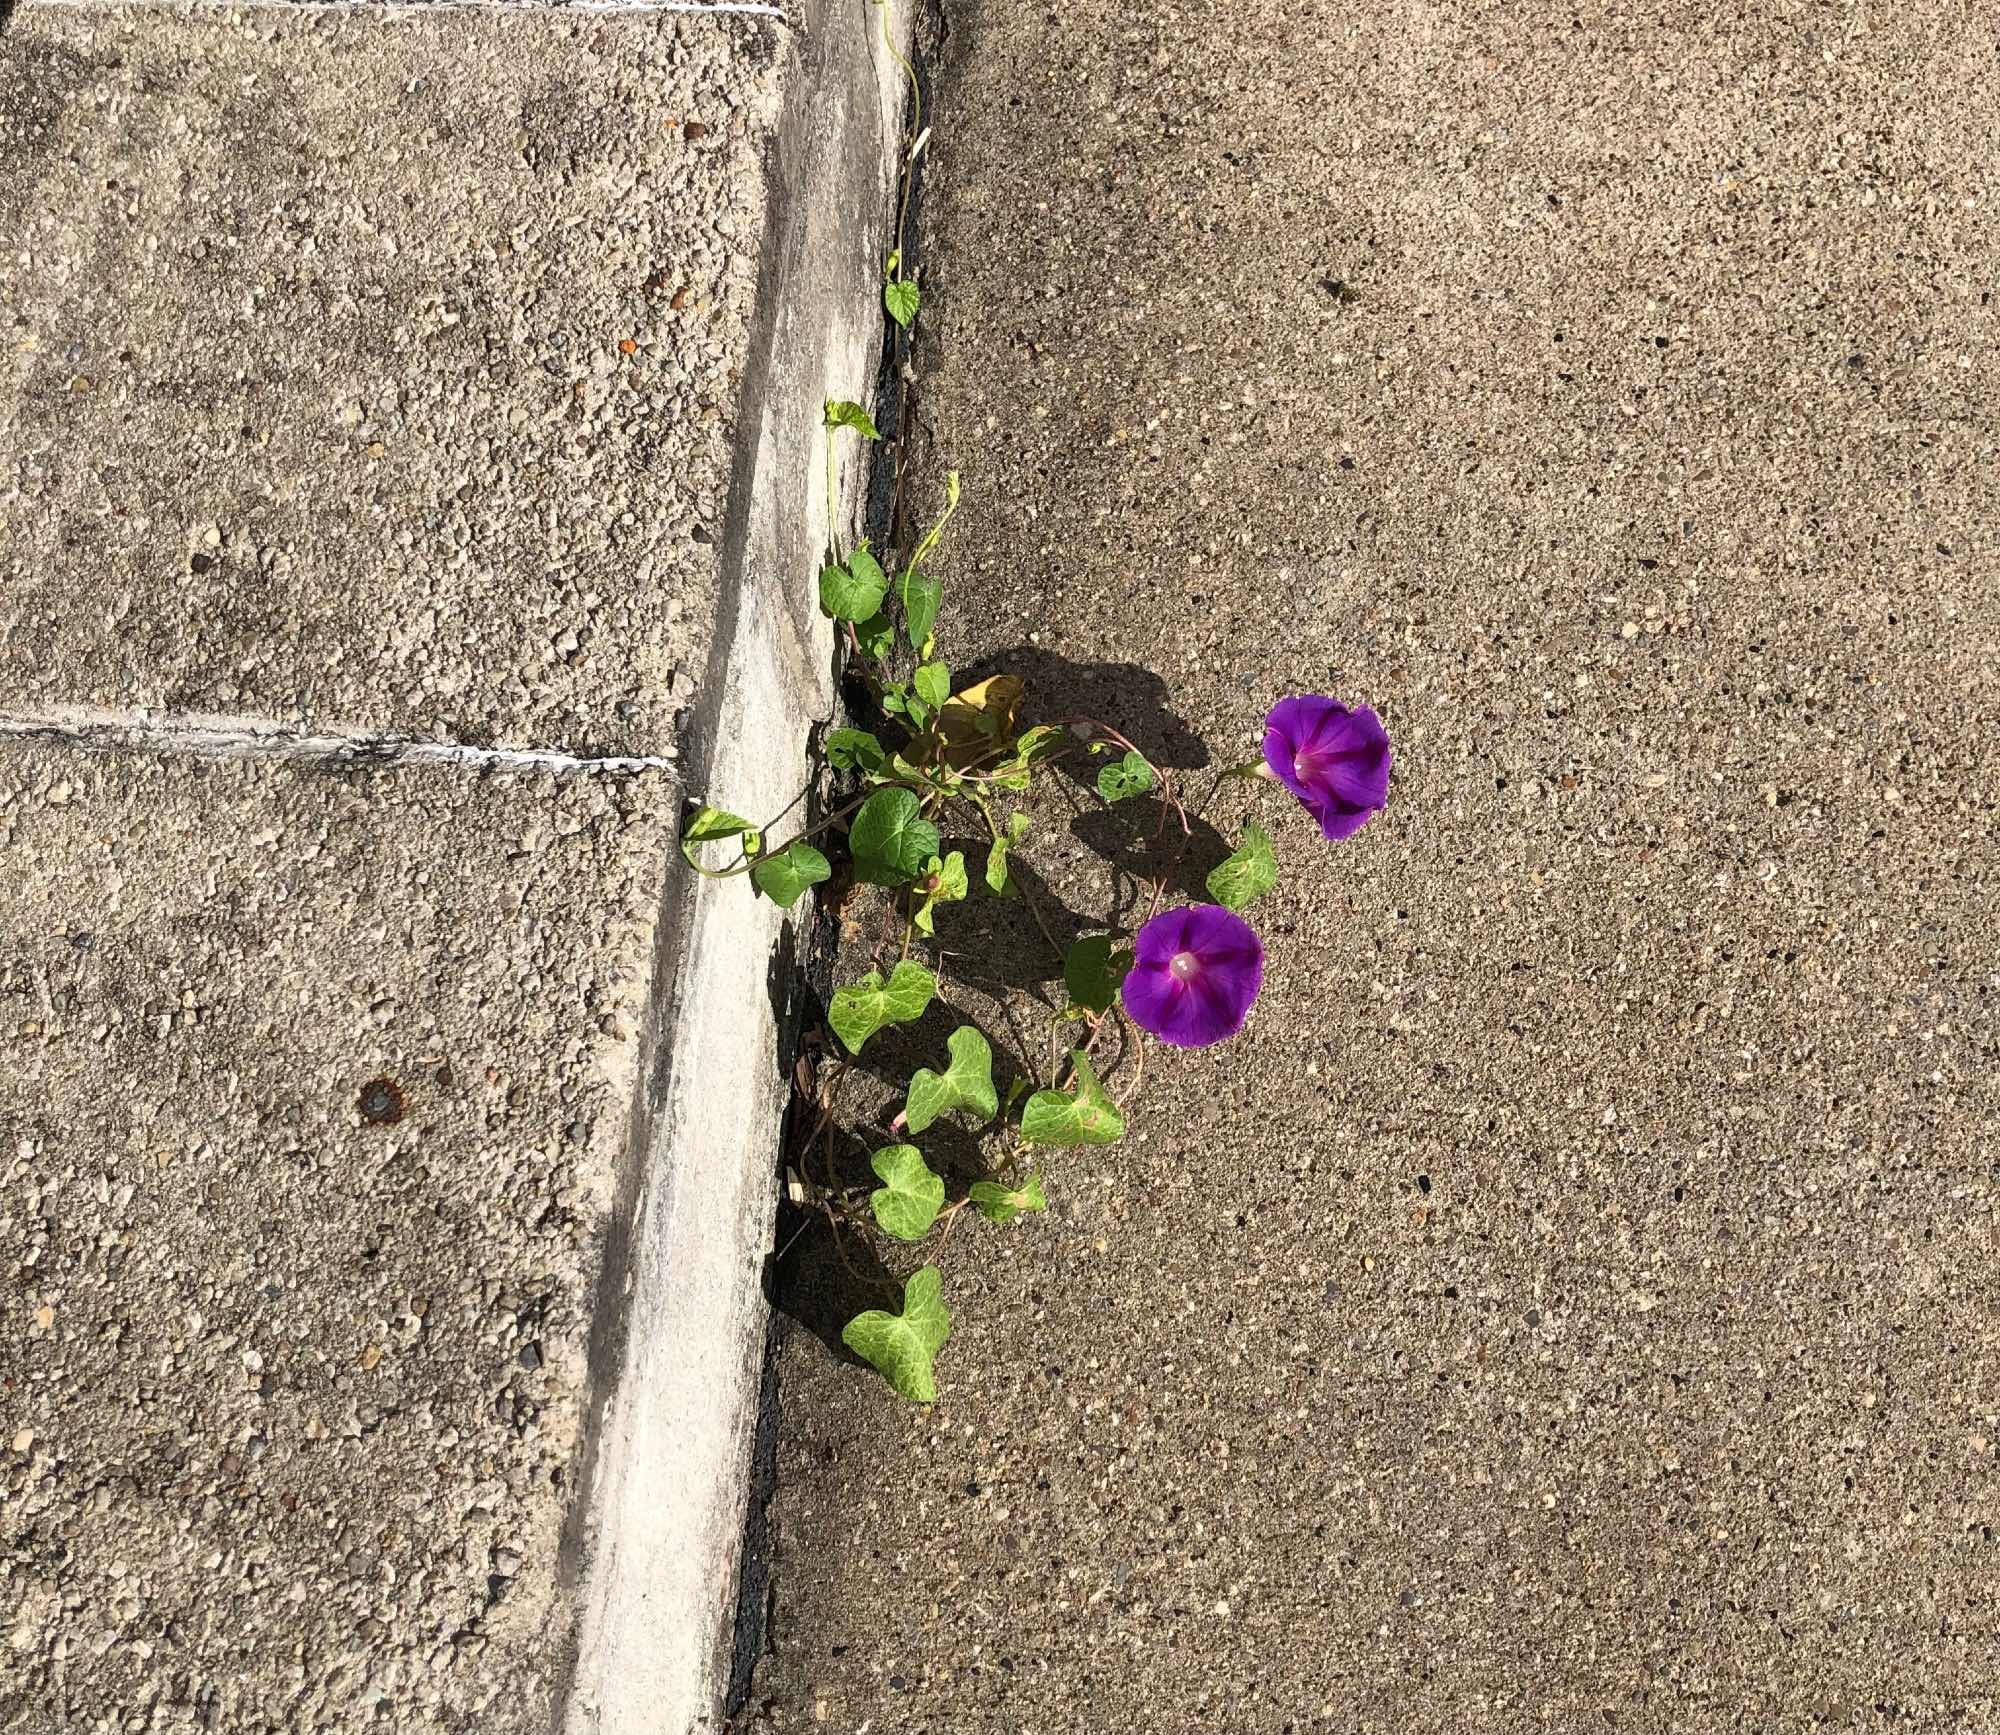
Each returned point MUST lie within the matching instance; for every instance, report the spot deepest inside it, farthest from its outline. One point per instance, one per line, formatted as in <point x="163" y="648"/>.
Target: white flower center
<point x="1185" y="966"/>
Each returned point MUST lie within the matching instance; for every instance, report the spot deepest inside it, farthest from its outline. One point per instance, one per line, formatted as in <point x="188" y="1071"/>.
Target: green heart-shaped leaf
<point x="920" y="596"/>
<point x="854" y="750"/>
<point x="903" y="1346"/>
<point x="841" y="414"/>
<point x="864" y="1007"/>
<point x="933" y="684"/>
<point x="1084" y="1116"/>
<point x="877" y="637"/>
<point x="854" y="592"/>
<point x="966" y="1083"/>
<point x="712" y="825"/>
<point x="910" y="1197"/>
<point x="891" y="839"/>
<point x="1124" y="778"/>
<point x="783" y="877"/>
<point x="998" y="1204"/>
<point x="901" y="301"/>
<point x="999" y="878"/>
<point x="1093" y="974"/>
<point x="1248" y="874"/>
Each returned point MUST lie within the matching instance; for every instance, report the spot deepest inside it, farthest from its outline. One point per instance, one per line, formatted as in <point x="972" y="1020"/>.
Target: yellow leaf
<point x="979" y="719"/>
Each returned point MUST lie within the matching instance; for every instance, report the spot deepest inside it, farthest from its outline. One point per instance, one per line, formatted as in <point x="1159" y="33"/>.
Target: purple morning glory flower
<point x="1336" y="761"/>
<point x="1194" y="975"/>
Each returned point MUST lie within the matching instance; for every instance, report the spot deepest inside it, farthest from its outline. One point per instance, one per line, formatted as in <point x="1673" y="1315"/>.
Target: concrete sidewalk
<point x="409" y="472"/>
<point x="1571" y="1304"/>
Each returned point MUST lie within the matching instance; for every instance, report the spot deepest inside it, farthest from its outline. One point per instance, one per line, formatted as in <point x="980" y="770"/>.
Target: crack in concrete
<point x="90" y="730"/>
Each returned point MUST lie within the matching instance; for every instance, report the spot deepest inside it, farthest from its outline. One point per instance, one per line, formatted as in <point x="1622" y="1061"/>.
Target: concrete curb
<point x="655" y="1539"/>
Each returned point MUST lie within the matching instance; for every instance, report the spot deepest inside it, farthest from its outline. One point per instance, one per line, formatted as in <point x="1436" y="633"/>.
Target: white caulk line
<point x="95" y="731"/>
<point x="313" y="8"/>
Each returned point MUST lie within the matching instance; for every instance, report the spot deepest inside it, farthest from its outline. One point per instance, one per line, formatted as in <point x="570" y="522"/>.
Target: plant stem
<point x="832" y="501"/>
<point x="1027" y="897"/>
<point x="1138" y="1052"/>
<point x="915" y="132"/>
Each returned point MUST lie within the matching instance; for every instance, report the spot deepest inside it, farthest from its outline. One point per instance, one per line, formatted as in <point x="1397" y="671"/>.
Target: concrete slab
<point x="374" y="371"/>
<point x="296" y="1359"/>
<point x="521" y="197"/>
<point x="1569" y="1305"/>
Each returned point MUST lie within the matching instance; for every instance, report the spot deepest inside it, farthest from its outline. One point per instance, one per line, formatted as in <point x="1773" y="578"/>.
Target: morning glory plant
<point x="1194" y="976"/>
<point x="946" y="754"/>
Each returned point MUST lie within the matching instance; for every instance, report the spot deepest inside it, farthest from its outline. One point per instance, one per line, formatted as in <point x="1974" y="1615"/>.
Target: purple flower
<point x="1194" y="975"/>
<point x="1336" y="761"/>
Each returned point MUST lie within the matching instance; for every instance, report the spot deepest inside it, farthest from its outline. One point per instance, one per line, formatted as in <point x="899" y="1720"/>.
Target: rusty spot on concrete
<point x="381" y="1102"/>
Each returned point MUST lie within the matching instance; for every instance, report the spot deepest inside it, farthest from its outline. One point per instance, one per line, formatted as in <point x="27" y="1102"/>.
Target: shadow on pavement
<point x="1127" y="694"/>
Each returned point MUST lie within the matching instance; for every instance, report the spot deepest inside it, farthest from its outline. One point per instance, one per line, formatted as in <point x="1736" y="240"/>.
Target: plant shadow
<point x="895" y="1052"/>
<point x="1142" y="840"/>
<point x="1128" y="692"/>
<point x="1000" y="935"/>
<point x="821" y="1277"/>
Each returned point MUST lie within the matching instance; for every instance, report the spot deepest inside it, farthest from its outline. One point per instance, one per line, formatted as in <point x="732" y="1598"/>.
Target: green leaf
<point x="902" y="1346"/>
<point x="966" y="1083"/>
<point x="1092" y="974"/>
<point x="905" y="772"/>
<point x="877" y="637"/>
<point x="901" y="301"/>
<point x="999" y="878"/>
<point x="854" y="750"/>
<point x="933" y="684"/>
<point x="784" y="877"/>
<point x="891" y="839"/>
<point x="1248" y="874"/>
<point x="841" y="414"/>
<point x="1037" y="743"/>
<point x="949" y="876"/>
<point x="935" y="534"/>
<point x="867" y="568"/>
<point x="862" y="1008"/>
<point x="998" y="1204"/>
<point x="1124" y="778"/>
<point x="1084" y="1116"/>
<point x="1029" y="748"/>
<point x="854" y="592"/>
<point x="920" y="595"/>
<point x="910" y="1197"/>
<point x="712" y="825"/>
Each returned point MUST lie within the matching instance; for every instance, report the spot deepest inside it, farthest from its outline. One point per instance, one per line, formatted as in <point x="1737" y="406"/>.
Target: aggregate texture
<point x="314" y="1093"/>
<point x="1572" y="1303"/>
<point x="374" y="372"/>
